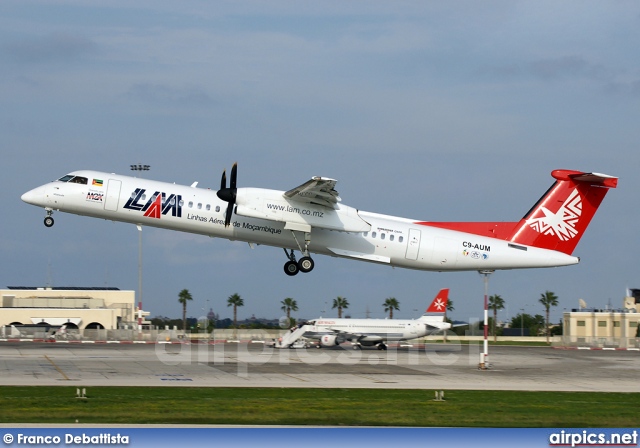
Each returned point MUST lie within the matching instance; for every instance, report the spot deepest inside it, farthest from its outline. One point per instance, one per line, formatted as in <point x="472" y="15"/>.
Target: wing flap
<point x="360" y="255"/>
<point x="317" y="190"/>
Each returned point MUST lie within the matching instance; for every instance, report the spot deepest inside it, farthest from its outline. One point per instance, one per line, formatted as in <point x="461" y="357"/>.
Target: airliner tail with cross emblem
<point x="311" y="219"/>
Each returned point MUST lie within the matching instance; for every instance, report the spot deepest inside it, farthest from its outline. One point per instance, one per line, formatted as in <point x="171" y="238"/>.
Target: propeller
<point x="228" y="194"/>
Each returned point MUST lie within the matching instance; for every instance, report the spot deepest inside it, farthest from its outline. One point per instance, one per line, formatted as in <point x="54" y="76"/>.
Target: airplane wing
<point x="318" y="190"/>
<point x="351" y="336"/>
<point x="347" y="335"/>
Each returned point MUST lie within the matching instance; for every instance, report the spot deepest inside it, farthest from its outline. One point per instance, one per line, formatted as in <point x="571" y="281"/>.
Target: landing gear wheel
<point x="291" y="268"/>
<point x="48" y="221"/>
<point x="382" y="347"/>
<point x="306" y="264"/>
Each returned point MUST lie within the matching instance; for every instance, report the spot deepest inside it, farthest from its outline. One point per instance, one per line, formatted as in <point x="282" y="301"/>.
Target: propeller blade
<point x="223" y="181"/>
<point x="228" y="194"/>
<point x="234" y="175"/>
<point x="227" y="218"/>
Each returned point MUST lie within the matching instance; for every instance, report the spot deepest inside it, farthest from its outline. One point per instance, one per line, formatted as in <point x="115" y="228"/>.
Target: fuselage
<point x="375" y="330"/>
<point x="344" y="232"/>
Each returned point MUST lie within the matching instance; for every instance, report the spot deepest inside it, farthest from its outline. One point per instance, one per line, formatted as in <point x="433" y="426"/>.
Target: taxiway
<point x="436" y="366"/>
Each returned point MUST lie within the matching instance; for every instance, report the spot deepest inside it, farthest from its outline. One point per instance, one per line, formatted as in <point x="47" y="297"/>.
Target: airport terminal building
<point x="91" y="308"/>
<point x="604" y="327"/>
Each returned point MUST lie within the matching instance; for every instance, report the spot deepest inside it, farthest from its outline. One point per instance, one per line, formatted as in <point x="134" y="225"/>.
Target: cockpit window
<point x="74" y="179"/>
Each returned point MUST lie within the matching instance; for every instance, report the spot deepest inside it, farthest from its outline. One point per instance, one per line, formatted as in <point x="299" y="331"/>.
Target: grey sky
<point x="443" y="111"/>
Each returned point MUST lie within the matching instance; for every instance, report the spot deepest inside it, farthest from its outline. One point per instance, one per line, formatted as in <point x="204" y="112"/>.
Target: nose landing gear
<point x="48" y="220"/>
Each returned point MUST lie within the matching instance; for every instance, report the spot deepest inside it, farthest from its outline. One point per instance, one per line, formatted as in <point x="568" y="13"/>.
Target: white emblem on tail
<point x="563" y="222"/>
<point x="439" y="304"/>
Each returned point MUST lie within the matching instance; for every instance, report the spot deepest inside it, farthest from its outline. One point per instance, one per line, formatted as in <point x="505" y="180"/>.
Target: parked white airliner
<point x="370" y="332"/>
<point x="311" y="219"/>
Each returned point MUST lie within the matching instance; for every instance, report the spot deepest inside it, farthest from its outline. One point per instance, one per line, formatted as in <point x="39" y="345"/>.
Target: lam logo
<point x="158" y="204"/>
<point x="561" y="223"/>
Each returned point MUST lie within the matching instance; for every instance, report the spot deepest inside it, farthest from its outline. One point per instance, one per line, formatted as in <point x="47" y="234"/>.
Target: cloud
<point x="167" y="95"/>
<point x="624" y="88"/>
<point x="54" y="47"/>
<point x="566" y="66"/>
<point x="557" y="68"/>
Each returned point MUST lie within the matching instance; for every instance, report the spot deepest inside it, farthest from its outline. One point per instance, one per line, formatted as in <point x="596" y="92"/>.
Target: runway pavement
<point x="436" y="366"/>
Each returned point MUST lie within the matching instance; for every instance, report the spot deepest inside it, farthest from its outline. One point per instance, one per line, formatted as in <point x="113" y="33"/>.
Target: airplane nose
<point x="33" y="197"/>
<point x="28" y="197"/>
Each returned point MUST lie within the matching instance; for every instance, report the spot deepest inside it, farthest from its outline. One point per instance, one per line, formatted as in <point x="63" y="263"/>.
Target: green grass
<point x="332" y="407"/>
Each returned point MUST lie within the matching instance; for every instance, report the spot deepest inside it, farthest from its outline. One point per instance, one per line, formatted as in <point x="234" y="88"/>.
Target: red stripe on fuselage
<point x="500" y="230"/>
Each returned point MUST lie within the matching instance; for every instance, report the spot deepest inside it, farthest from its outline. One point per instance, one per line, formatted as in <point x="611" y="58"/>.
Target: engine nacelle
<point x="271" y="205"/>
<point x="329" y="340"/>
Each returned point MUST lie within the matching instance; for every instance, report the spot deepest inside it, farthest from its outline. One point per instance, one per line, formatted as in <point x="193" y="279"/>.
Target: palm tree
<point x="289" y="305"/>
<point x="449" y="308"/>
<point x="235" y="301"/>
<point x="391" y="304"/>
<point x="496" y="303"/>
<point x="341" y="303"/>
<point x="183" y="298"/>
<point x="548" y="299"/>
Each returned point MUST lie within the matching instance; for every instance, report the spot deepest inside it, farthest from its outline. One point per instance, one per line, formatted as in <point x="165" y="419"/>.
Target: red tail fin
<point x="558" y="220"/>
<point x="439" y="304"/>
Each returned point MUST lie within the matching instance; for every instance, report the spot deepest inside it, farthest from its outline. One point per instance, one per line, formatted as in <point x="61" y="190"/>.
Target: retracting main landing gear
<point x="292" y="267"/>
<point x="306" y="263"/>
<point x="48" y="220"/>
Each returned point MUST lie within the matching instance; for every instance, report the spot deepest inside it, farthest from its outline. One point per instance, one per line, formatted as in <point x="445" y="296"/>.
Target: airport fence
<point x="597" y="342"/>
<point x="268" y="336"/>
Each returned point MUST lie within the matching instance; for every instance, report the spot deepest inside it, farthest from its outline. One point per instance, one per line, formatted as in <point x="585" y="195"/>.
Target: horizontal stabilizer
<point x="556" y="222"/>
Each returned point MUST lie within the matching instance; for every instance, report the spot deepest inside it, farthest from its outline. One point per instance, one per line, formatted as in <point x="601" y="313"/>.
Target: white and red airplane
<point x="311" y="219"/>
<point x="370" y="332"/>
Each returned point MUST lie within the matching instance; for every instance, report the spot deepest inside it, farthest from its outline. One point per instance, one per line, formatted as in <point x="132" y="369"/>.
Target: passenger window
<point x="391" y="237"/>
<point x="400" y="239"/>
<point x="181" y="203"/>
<point x="382" y="235"/>
<point x="208" y="207"/>
<point x="366" y="234"/>
<point x="217" y="208"/>
<point x="199" y="205"/>
<point x="373" y="234"/>
<point x="190" y="204"/>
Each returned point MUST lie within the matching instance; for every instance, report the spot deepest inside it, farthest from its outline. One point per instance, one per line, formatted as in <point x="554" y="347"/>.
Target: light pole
<point x="140" y="167"/>
<point x="522" y="322"/>
<point x="207" y="326"/>
<point x="484" y="356"/>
